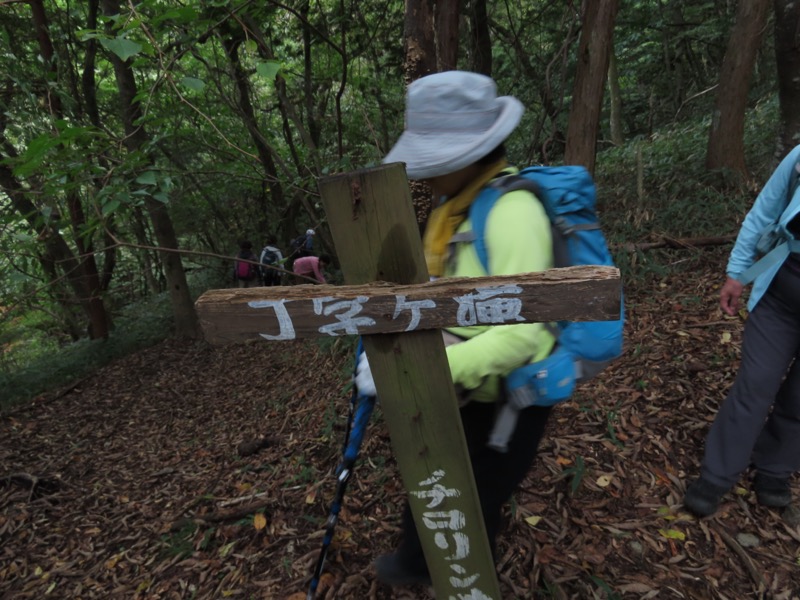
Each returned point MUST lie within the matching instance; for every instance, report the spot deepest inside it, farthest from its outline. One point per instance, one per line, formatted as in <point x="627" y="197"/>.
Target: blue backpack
<point x="583" y="348"/>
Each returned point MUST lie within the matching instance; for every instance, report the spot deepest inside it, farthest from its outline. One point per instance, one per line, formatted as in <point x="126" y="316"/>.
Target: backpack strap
<point x="482" y="205"/>
<point x="478" y="215"/>
<point x="782" y="250"/>
<point x="777" y="255"/>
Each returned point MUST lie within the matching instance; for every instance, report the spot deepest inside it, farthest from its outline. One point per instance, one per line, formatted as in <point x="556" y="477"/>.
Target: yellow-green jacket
<point x="518" y="240"/>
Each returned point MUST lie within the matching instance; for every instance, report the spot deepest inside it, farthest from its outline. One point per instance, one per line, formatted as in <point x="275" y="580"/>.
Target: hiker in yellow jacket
<point x="455" y="129"/>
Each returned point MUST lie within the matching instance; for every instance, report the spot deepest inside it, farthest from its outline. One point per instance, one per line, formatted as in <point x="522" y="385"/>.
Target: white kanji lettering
<point x="415" y="306"/>
<point x="345" y="312"/>
<point x="285" y="324"/>
<point x="461" y="542"/>
<point x="435" y="477"/>
<point x="445" y="519"/>
<point x="446" y="525"/>
<point x="489" y="306"/>
<point x="436" y="494"/>
<point x="462" y="582"/>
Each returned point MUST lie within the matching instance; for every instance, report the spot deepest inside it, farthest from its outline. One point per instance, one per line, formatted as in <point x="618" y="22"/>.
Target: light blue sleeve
<point x="766" y="210"/>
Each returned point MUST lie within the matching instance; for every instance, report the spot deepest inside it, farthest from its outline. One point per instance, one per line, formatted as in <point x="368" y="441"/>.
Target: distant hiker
<point x="758" y="424"/>
<point x="245" y="270"/>
<point x="455" y="129"/>
<point x="311" y="266"/>
<point x="303" y="245"/>
<point x="271" y="256"/>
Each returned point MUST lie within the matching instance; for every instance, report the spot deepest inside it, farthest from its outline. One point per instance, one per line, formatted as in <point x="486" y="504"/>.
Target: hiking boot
<point x="392" y="571"/>
<point x="773" y="492"/>
<point x="702" y="497"/>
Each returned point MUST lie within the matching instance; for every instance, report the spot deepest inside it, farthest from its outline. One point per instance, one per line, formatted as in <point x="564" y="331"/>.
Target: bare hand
<point x="729" y="296"/>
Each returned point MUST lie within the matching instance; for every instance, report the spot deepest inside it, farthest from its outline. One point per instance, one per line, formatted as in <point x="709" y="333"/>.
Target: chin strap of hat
<point x="357" y="419"/>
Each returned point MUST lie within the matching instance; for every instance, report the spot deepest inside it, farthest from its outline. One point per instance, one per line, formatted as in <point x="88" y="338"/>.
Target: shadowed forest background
<point x="140" y="142"/>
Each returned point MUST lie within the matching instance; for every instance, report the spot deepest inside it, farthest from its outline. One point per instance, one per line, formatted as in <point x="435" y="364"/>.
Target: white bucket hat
<point x="452" y="120"/>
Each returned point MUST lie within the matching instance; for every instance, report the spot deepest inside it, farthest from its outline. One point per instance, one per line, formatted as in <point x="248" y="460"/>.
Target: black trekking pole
<point x="358" y="417"/>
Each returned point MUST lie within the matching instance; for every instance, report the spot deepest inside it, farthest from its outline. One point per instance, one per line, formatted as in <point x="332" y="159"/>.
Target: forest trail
<point x="131" y="485"/>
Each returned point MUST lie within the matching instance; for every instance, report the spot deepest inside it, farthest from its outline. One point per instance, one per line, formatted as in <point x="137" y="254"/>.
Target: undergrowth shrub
<point x="658" y="188"/>
<point x="39" y="364"/>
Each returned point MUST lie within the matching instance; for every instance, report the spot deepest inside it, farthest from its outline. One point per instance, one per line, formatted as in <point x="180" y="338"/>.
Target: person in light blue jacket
<point x="758" y="425"/>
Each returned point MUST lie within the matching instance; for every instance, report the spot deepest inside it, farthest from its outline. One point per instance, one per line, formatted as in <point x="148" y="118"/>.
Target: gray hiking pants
<point x="745" y="431"/>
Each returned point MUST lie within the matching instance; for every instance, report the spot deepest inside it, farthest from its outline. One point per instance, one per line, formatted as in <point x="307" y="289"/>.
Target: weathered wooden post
<point x="376" y="238"/>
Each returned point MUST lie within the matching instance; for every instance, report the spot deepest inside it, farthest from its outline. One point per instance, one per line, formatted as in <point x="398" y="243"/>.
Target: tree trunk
<point x="186" y="324"/>
<point x="306" y="163"/>
<point x="787" y="51"/>
<point x="615" y="101"/>
<point x="480" y="43"/>
<point x="420" y="40"/>
<point x="447" y="15"/>
<point x="593" y="55"/>
<point x="248" y="115"/>
<point x="314" y="126"/>
<point x="89" y="93"/>
<point x="421" y="60"/>
<point x="431" y="37"/>
<point x="90" y="287"/>
<point x="726" y="139"/>
<point x="56" y="249"/>
<point x="147" y="264"/>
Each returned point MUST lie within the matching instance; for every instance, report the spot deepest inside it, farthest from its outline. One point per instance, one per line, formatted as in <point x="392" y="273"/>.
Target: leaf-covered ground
<point x="134" y="485"/>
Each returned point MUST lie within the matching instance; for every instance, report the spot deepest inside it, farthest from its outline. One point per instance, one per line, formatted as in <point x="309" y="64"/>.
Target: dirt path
<point x="132" y="486"/>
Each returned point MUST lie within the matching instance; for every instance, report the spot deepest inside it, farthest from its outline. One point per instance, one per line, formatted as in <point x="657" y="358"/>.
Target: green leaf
<point x="268" y="69"/>
<point x="672" y="534"/>
<point x="533" y="520"/>
<point x="35" y="154"/>
<point x="193" y="83"/>
<point x="121" y="47"/>
<point x="147" y="178"/>
<point x="179" y="15"/>
<point x="85" y="35"/>
<point x="226" y="549"/>
<point x="110" y="206"/>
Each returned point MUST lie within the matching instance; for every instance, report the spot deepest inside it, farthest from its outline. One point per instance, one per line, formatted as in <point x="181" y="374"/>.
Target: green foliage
<point x="180" y="544"/>
<point x="122" y="47"/>
<point x="575" y="474"/>
<point x="33" y="362"/>
<point x="605" y="588"/>
<point x="651" y="188"/>
<point x="241" y="106"/>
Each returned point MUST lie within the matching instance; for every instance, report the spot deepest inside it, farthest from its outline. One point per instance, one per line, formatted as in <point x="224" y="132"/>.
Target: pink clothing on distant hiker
<point x="309" y="267"/>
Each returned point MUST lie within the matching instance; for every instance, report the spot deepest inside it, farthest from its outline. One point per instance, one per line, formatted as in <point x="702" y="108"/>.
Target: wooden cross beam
<point x="377" y="240"/>
<point x="311" y="311"/>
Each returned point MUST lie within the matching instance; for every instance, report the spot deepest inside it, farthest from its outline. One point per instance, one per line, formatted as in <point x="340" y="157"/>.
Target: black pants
<point x="272" y="277"/>
<point x="497" y="474"/>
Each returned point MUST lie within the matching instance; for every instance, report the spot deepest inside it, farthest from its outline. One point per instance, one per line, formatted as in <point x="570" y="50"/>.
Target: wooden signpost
<point x="377" y="240"/>
<point x="311" y="311"/>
